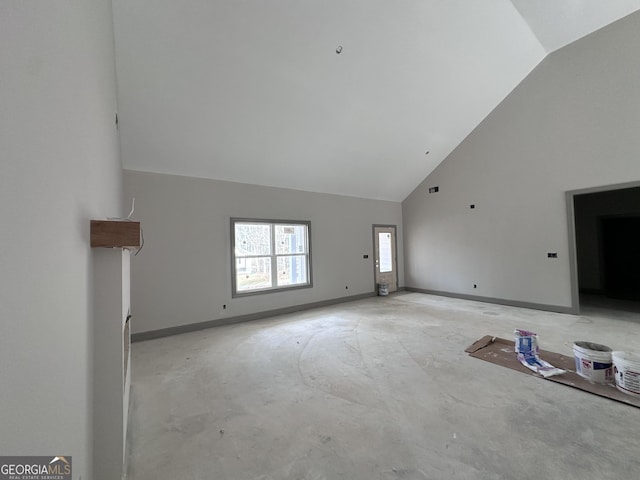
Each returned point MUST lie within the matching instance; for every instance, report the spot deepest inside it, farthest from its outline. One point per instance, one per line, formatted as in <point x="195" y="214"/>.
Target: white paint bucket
<point x="626" y="367"/>
<point x="593" y="361"/>
<point x="383" y="289"/>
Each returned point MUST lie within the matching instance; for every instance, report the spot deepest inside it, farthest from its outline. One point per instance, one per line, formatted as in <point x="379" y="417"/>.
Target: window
<point x="269" y="255"/>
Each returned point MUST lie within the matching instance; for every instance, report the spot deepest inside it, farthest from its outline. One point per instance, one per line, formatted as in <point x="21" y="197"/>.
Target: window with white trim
<point x="270" y="255"/>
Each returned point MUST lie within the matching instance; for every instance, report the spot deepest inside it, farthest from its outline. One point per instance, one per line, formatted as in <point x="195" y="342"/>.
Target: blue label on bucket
<point x="601" y="366"/>
<point x="584" y="365"/>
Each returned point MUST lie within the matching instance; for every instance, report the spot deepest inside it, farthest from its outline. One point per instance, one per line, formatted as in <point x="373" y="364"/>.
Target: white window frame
<point x="273" y="256"/>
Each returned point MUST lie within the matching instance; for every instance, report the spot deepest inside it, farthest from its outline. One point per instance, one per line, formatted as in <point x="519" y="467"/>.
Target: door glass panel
<point x="386" y="255"/>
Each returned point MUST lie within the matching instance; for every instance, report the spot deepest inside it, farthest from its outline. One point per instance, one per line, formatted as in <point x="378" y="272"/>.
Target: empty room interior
<point x="270" y="240"/>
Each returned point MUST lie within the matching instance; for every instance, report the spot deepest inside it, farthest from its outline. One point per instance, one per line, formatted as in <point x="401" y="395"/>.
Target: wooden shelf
<point x="115" y="234"/>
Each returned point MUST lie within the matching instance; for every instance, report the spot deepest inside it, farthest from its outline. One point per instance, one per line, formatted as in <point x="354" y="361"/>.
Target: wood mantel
<point x="115" y="234"/>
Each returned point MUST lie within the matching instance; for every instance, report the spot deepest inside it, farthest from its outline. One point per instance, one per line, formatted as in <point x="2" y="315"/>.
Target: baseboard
<point x="499" y="301"/>
<point x="192" y="327"/>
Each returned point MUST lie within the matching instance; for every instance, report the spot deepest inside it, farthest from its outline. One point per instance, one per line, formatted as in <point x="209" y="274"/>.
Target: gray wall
<point x="572" y="123"/>
<point x="59" y="167"/>
<point x="183" y="274"/>
<point x="588" y="209"/>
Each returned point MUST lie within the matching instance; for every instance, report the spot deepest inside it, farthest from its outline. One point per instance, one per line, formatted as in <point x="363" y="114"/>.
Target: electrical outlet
<point x="552" y="255"/>
<point x="475" y="286"/>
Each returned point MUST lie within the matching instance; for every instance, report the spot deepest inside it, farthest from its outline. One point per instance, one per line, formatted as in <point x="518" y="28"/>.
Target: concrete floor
<point x="376" y="389"/>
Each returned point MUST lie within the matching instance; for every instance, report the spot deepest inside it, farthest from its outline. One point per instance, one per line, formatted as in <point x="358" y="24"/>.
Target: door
<point x="621" y="257"/>
<point x="384" y="247"/>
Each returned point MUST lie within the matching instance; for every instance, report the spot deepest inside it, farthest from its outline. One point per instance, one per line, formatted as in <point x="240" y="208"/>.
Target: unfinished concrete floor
<point x="376" y="389"/>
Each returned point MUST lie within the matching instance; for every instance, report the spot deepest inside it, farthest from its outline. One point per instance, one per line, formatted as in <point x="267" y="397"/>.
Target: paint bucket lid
<point x="629" y="358"/>
<point x="596" y="347"/>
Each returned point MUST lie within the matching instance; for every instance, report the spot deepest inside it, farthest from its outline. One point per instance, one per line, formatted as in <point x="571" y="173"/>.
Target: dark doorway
<point x="607" y="227"/>
<point x="621" y="257"/>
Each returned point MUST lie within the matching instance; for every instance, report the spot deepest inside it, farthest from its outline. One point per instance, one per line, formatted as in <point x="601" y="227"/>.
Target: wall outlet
<point x="475" y="286"/>
<point x="552" y="255"/>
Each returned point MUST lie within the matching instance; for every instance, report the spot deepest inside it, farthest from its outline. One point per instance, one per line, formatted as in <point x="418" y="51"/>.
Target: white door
<point x="384" y="247"/>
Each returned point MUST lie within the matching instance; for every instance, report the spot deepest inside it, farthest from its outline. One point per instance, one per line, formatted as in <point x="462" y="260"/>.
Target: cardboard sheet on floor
<point x="501" y="352"/>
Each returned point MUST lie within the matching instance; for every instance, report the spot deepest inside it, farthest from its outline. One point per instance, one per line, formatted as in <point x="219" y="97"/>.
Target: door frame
<point x="571" y="230"/>
<point x="395" y="253"/>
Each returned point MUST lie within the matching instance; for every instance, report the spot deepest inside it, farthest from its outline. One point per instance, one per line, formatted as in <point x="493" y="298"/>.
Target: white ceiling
<point x="254" y="92"/>
<point x="558" y="23"/>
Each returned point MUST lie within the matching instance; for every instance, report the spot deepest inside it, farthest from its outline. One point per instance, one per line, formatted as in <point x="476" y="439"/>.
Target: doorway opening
<point x="385" y="256"/>
<point x="605" y="247"/>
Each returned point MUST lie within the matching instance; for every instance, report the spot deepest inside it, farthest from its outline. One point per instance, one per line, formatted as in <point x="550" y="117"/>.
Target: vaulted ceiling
<point x="256" y="92"/>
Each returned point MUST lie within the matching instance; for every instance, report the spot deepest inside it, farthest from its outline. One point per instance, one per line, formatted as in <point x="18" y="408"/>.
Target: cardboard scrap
<point x="502" y="352"/>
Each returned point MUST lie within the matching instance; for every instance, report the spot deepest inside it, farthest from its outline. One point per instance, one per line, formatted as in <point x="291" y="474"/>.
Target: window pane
<point x="270" y="255"/>
<point x="253" y="239"/>
<point x="384" y="248"/>
<point x="253" y="273"/>
<point x="291" y="239"/>
<point x="292" y="270"/>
